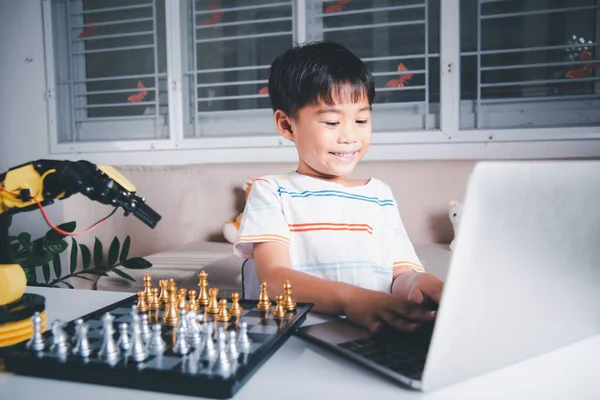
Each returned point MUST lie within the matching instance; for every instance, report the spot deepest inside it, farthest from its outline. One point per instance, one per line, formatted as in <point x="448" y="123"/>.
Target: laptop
<point x="524" y="279"/>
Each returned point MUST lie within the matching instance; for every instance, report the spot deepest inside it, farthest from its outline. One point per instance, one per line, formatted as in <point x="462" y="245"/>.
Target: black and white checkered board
<point x="169" y="373"/>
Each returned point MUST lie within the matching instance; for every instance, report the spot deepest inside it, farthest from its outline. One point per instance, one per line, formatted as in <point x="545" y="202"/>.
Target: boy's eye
<point x="331" y="123"/>
<point x="361" y="121"/>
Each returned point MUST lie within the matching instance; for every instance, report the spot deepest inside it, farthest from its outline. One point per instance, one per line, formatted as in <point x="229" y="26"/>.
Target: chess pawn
<point x="223" y="315"/>
<point x="109" y="350"/>
<point x="182" y="304"/>
<point x="181" y="345"/>
<point x="36" y="342"/>
<point x="288" y="303"/>
<point x="244" y="341"/>
<point x="154" y="302"/>
<point x="264" y="303"/>
<point x="59" y="343"/>
<point x="279" y="308"/>
<point x="203" y="298"/>
<point x="138" y="352"/>
<point x="123" y="342"/>
<point x="164" y="294"/>
<point x="171" y="282"/>
<point x="213" y="305"/>
<point x="142" y="306"/>
<point x="148" y="288"/>
<point x="236" y="309"/>
<point x="209" y="351"/>
<point x="82" y="346"/>
<point x="157" y="344"/>
<point x="193" y="304"/>
<point x="171" y="316"/>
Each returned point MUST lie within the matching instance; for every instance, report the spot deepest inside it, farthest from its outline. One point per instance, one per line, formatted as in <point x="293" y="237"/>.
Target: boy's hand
<point x="421" y="288"/>
<point x="374" y="309"/>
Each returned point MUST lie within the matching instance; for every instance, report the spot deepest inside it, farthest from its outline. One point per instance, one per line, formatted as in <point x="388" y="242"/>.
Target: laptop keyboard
<point x="399" y="353"/>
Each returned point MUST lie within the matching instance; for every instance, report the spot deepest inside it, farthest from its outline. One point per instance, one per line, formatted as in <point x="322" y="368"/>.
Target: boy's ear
<point x="283" y="123"/>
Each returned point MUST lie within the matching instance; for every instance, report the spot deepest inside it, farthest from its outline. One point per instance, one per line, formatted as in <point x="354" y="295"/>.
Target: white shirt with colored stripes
<point x="348" y="234"/>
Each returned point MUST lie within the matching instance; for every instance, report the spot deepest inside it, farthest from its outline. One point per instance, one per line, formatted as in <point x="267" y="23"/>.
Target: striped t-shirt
<point x="348" y="234"/>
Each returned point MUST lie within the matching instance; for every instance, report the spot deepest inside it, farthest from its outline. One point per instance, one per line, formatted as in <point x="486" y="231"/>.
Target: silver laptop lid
<point x="525" y="274"/>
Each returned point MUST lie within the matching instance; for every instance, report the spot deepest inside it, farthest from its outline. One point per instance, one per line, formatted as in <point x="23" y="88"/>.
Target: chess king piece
<point x="193" y="304"/>
<point x="236" y="308"/>
<point x="288" y="303"/>
<point x="36" y="342"/>
<point x="203" y="299"/>
<point x="82" y="346"/>
<point x="223" y="315"/>
<point x="279" y="308"/>
<point x="171" y="316"/>
<point x="148" y="288"/>
<point x="155" y="301"/>
<point x="264" y="303"/>
<point x="164" y="294"/>
<point x="213" y="305"/>
<point x="142" y="306"/>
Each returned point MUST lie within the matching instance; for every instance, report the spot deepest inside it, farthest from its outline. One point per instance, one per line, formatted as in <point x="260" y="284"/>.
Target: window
<point x="110" y="65"/>
<point x="194" y="73"/>
<point x="539" y="72"/>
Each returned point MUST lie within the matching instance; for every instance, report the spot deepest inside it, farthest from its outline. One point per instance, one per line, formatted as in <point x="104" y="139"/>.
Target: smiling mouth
<point x="347" y="156"/>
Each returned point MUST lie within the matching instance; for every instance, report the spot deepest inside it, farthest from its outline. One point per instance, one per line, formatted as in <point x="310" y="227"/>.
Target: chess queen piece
<point x="288" y="303"/>
<point x="213" y="305"/>
<point x="203" y="299"/>
<point x="171" y="316"/>
<point x="279" y="308"/>
<point x="82" y="346"/>
<point x="142" y="306"/>
<point x="264" y="303"/>
<point x="36" y="343"/>
<point x="236" y="309"/>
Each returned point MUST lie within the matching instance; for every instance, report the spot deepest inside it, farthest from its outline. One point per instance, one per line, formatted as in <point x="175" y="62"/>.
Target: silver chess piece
<point x="124" y="341"/>
<point x="244" y="342"/>
<point x="183" y="321"/>
<point x="36" y="342"/>
<point x="146" y="333"/>
<point x="223" y="365"/>
<point x="194" y="329"/>
<point x="82" y="346"/>
<point x="209" y="351"/>
<point x="109" y="350"/>
<point x="138" y="352"/>
<point x="59" y="338"/>
<point x="232" y="349"/>
<point x="181" y="345"/>
<point x="157" y="345"/>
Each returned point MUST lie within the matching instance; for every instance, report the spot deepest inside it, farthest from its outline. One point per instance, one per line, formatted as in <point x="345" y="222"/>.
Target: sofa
<point x="196" y="200"/>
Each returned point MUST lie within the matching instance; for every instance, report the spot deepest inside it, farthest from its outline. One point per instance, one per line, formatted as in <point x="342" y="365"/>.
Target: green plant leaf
<point x="82" y="277"/>
<point x="57" y="266"/>
<point x="24" y="239"/>
<point x="122" y="274"/>
<point x="98" y="257"/>
<point x="67" y="284"/>
<point x="54" y="236"/>
<point x="125" y="249"/>
<point x="136" y="263"/>
<point x="85" y="256"/>
<point x="56" y="247"/>
<point x="46" y="270"/>
<point x="113" y="251"/>
<point x="74" y="251"/>
<point x="96" y="272"/>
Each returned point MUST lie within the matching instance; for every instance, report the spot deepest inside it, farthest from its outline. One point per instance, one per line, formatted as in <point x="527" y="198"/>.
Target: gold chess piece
<point x="142" y="306"/>
<point x="171" y="316"/>
<point x="182" y="305"/>
<point x="148" y="288"/>
<point x="193" y="304"/>
<point x="203" y="298"/>
<point x="279" y="308"/>
<point x="236" y="308"/>
<point x="288" y="303"/>
<point x="155" y="302"/>
<point x="213" y="305"/>
<point x="164" y="294"/>
<point x="264" y="304"/>
<point x="223" y="315"/>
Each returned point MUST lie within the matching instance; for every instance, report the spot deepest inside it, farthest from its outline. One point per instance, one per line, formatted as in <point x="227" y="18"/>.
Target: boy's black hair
<point x="313" y="72"/>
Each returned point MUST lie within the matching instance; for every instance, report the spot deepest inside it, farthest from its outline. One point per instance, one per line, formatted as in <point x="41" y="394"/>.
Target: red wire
<point x="56" y="228"/>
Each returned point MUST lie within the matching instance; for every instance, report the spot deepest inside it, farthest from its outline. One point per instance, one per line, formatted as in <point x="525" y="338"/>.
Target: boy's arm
<point x="366" y="307"/>
<point x="420" y="287"/>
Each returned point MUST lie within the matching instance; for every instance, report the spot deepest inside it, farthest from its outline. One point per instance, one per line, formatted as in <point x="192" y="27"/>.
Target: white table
<point x="299" y="370"/>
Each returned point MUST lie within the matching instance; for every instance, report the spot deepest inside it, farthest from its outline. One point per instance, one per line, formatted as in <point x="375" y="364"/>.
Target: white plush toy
<point x="455" y="214"/>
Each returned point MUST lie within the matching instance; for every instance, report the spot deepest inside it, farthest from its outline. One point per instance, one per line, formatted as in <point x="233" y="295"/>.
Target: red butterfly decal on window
<point x="215" y="18"/>
<point x="90" y="30"/>
<point x="337" y="7"/>
<point x="582" y="72"/>
<point x="402" y="80"/>
<point x="139" y="97"/>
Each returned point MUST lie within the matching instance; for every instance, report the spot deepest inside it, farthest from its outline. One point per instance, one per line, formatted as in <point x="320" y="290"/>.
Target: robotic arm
<point x="47" y="180"/>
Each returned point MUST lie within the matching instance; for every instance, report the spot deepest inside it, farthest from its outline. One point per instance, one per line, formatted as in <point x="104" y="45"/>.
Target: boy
<point x="339" y="241"/>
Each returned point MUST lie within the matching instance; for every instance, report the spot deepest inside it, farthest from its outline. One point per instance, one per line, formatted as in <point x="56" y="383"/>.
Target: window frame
<point x="449" y="106"/>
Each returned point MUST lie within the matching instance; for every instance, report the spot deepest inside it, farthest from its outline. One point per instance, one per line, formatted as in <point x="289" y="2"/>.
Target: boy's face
<point x="330" y="140"/>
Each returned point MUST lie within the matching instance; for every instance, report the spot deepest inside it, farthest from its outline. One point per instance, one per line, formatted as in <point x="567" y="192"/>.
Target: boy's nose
<point x="348" y="135"/>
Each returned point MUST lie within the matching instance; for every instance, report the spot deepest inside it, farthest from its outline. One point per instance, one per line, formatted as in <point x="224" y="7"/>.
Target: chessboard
<point x="204" y="350"/>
